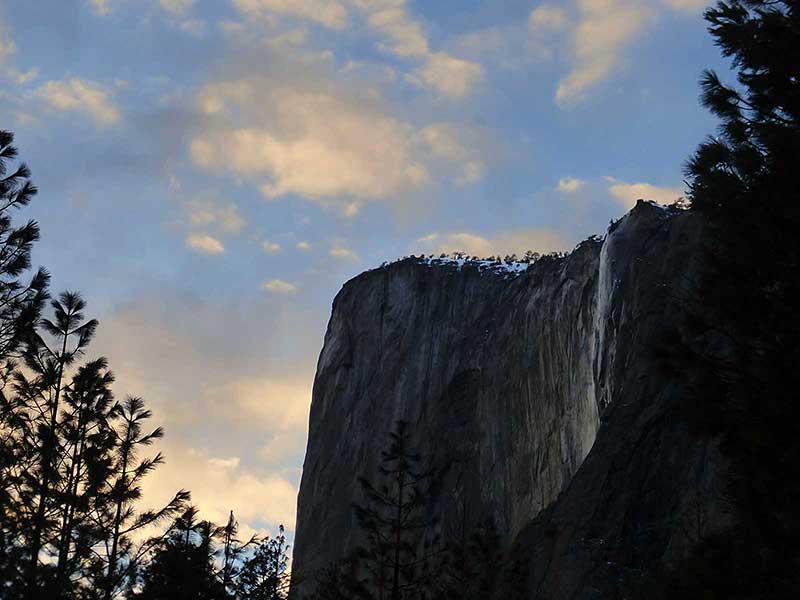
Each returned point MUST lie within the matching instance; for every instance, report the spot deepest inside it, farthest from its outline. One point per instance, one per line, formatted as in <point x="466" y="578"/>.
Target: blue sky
<point x="211" y="172"/>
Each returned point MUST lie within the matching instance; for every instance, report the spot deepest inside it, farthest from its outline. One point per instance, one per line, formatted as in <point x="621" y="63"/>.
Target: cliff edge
<point x="536" y="392"/>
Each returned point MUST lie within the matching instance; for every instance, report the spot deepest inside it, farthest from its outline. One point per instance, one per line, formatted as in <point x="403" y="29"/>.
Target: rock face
<point x="509" y="380"/>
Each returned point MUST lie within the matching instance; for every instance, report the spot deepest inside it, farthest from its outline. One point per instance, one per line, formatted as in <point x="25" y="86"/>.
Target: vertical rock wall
<point x="504" y="377"/>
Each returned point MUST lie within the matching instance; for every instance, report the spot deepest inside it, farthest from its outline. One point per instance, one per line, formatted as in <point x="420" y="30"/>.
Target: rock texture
<point x="509" y="381"/>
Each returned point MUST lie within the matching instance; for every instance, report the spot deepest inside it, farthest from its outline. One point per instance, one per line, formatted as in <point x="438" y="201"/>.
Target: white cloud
<point x="271" y="247"/>
<point x="222" y="394"/>
<point x="305" y="246"/>
<point x="282" y="404"/>
<point x="7" y="49"/>
<point x="323" y="146"/>
<point x="329" y="13"/>
<point x="22" y="77"/>
<point x="458" y="146"/>
<point x="279" y="286"/>
<point x="176" y="7"/>
<point x="206" y="211"/>
<point x="516" y="241"/>
<point x="605" y="29"/>
<point x="82" y="96"/>
<point x="100" y="7"/>
<point x="195" y="27"/>
<point x="547" y="17"/>
<point x="569" y="185"/>
<point x="599" y="35"/>
<point x="342" y="253"/>
<point x="391" y="18"/>
<point x="691" y="6"/>
<point x="204" y="244"/>
<point x="450" y="76"/>
<point x="219" y="485"/>
<point x="628" y="193"/>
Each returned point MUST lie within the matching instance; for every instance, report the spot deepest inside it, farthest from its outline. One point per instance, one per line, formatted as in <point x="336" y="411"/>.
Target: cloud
<point x="176" y="8"/>
<point x="516" y="241"/>
<point x="547" y="17"/>
<point x="325" y="146"/>
<point x="100" y="7"/>
<point x="195" y="27"/>
<point x="82" y="96"/>
<point x="271" y="247"/>
<point x="628" y="193"/>
<point x="457" y="146"/>
<point x="599" y="33"/>
<point x="605" y="29"/>
<point x="22" y="77"/>
<point x="329" y="13"/>
<point x="342" y="253"/>
<point x="206" y="211"/>
<point x="279" y="286"/>
<point x="691" y="6"/>
<point x="219" y="485"/>
<point x="7" y="48"/>
<point x="283" y="405"/>
<point x="569" y="185"/>
<point x="391" y="18"/>
<point x="204" y="244"/>
<point x="450" y="76"/>
<point x="305" y="246"/>
<point x="223" y="393"/>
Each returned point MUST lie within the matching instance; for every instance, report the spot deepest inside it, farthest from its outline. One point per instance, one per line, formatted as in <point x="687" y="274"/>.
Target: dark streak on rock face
<point x="508" y="383"/>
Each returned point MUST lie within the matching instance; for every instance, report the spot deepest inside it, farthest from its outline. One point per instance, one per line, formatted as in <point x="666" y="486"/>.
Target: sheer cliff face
<point x="505" y="378"/>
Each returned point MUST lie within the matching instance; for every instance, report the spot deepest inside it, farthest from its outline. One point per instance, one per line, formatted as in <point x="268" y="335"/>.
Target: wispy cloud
<point x="319" y="142"/>
<point x="329" y="13"/>
<point x="208" y="211"/>
<point x="569" y="185"/>
<point x="204" y="244"/>
<point x="628" y="193"/>
<point x="548" y="17"/>
<point x="82" y="96"/>
<point x="342" y="253"/>
<point x="516" y="241"/>
<point x="176" y="7"/>
<point x="604" y="30"/>
<point x="279" y="286"/>
<point x="100" y="7"/>
<point x="271" y="247"/>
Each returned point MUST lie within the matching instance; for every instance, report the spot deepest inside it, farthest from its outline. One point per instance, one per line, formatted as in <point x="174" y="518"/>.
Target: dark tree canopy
<point x="740" y="348"/>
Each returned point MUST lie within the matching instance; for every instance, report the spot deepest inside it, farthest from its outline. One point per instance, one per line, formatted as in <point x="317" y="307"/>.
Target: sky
<point x="211" y="173"/>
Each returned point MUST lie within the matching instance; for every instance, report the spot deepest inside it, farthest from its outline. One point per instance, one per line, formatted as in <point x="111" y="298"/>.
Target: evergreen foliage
<point x="72" y="459"/>
<point x="740" y="349"/>
<point x="398" y="556"/>
<point x="263" y="576"/>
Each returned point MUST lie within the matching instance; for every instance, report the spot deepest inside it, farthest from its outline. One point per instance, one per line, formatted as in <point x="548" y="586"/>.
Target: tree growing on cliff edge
<point x="741" y="346"/>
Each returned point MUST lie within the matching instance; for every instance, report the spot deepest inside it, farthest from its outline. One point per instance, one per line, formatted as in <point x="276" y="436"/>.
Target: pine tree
<point x="182" y="566"/>
<point x="263" y="575"/>
<point x="471" y="567"/>
<point x="740" y="346"/>
<point x="41" y="395"/>
<point x="399" y="552"/>
<point x="20" y="308"/>
<point x="118" y="515"/>
<point x="85" y="439"/>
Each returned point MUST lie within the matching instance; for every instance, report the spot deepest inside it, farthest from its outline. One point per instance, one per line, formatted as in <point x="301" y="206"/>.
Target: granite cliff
<point x="537" y="393"/>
